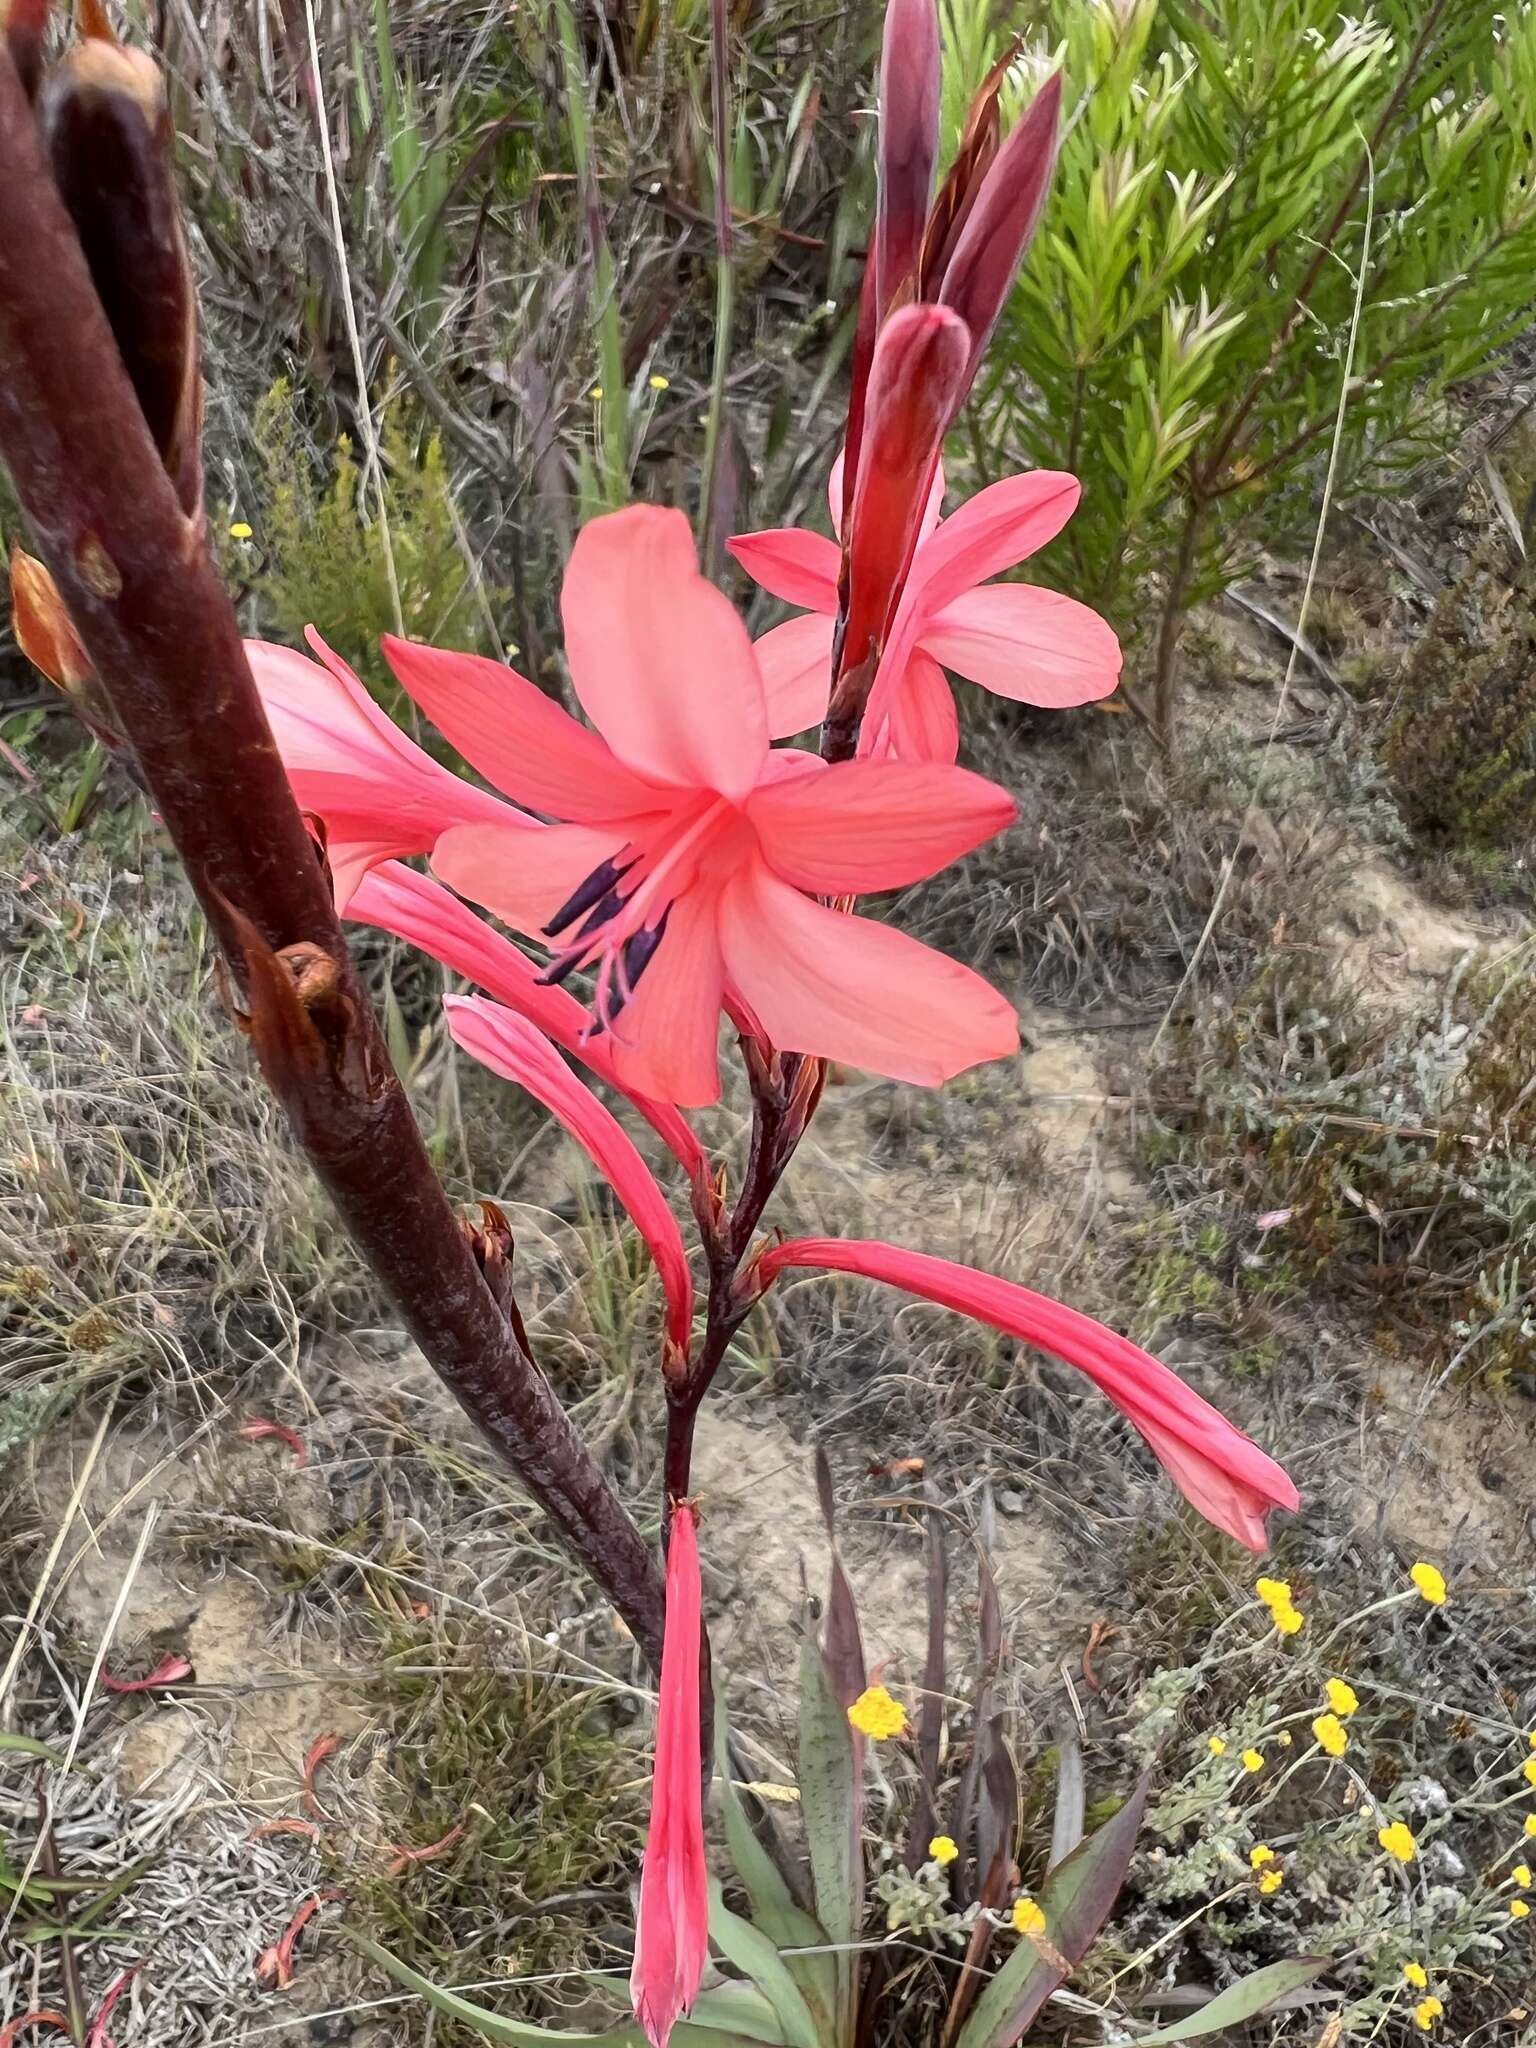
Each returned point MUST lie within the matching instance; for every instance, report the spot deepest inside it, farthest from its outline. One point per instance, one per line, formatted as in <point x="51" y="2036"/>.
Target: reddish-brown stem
<point x="157" y="624"/>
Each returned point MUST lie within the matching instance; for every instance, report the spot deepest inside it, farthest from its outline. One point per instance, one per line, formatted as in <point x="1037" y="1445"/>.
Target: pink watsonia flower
<point x="1018" y="640"/>
<point x="672" y="1924"/>
<point x="512" y="1047"/>
<point x="413" y="907"/>
<point x="1219" y="1471"/>
<point x="379" y="795"/>
<point x="686" y="871"/>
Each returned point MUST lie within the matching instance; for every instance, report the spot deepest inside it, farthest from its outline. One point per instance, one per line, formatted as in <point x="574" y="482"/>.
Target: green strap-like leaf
<point x="1240" y="2002"/>
<point x="756" y="1957"/>
<point x="1075" y="1898"/>
<point x="829" y="1800"/>
<point x="494" y="2026"/>
<point x="774" y="1910"/>
<point x="736" y="2008"/>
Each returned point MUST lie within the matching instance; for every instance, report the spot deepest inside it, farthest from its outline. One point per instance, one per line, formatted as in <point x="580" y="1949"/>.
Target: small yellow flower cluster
<point x="1522" y="1876"/>
<point x="875" y="1714"/>
<point x="240" y="530"/>
<point x="1216" y="1744"/>
<point x="1253" y="1760"/>
<point x="1528" y="1772"/>
<point x="1430" y="1583"/>
<point x="1426" y="2012"/>
<point x="1397" y="1839"/>
<point x="943" y="1849"/>
<point x="1331" y="1734"/>
<point x="1027" y="1916"/>
<point x="659" y="383"/>
<point x="1267" y="1864"/>
<point x="1416" y="1975"/>
<point x="1342" y="1698"/>
<point x="1260" y="1854"/>
<point x="1519" y="1909"/>
<point x="1283" y="1611"/>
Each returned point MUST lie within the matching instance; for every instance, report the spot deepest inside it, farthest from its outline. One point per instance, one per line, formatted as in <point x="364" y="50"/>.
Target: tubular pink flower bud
<point x="672" y="1925"/>
<point x="1001" y="222"/>
<point x="1217" y="1469"/>
<point x="512" y="1047"/>
<point x="909" y="142"/>
<point x="916" y="384"/>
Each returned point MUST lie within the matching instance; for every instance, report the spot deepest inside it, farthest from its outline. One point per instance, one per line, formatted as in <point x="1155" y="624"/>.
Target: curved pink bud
<point x="1002" y="221"/>
<point x="512" y="1047"/>
<point x="431" y="918"/>
<point x="1218" y="1470"/>
<point x="672" y="1925"/>
<point x="915" y="386"/>
<point x="909" y="142"/>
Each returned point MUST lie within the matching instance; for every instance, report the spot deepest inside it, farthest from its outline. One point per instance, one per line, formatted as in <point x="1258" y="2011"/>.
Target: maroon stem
<point x="157" y="624"/>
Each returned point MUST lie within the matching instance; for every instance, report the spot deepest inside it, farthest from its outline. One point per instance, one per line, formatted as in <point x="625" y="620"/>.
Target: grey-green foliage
<point x="1180" y="335"/>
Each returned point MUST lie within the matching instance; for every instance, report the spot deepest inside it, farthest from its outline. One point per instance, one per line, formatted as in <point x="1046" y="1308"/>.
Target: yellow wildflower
<point x="1289" y="1620"/>
<point x="596" y="392"/>
<point x="1530" y="1825"/>
<point x="240" y="530"/>
<point x="1271" y="1881"/>
<point x="1431" y="1583"/>
<point x="1217" y="1747"/>
<point x="1417" y="1976"/>
<point x="1528" y="1771"/>
<point x="1397" y="1839"/>
<point x="660" y="383"/>
<point x="1519" y="1909"/>
<point x="1261" y="1854"/>
<point x="1522" y="1876"/>
<point x="1027" y="1916"/>
<point x="1331" y="1734"/>
<point x="876" y="1714"/>
<point x="1426" y="2012"/>
<point x="943" y="1849"/>
<point x="1273" y="1592"/>
<point x="1253" y="1760"/>
<point x="1342" y="1698"/>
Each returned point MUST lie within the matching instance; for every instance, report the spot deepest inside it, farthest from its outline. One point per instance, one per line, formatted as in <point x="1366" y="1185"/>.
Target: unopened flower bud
<point x="47" y="637"/>
<point x="107" y="129"/>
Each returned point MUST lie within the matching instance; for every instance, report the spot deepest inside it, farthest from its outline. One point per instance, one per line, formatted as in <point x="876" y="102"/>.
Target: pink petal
<point x="512" y="1047"/>
<point x="924" y="725"/>
<point x="518" y="738"/>
<point x="795" y="662"/>
<point x="909" y="141"/>
<point x="1032" y="645"/>
<point x="426" y="915"/>
<point x="1223" y="1473"/>
<point x="995" y="530"/>
<point x="864" y="825"/>
<point x="377" y="793"/>
<point x="661" y="662"/>
<point x="852" y="990"/>
<point x="672" y="1924"/>
<point x="666" y="1043"/>
<point x="524" y="878"/>
<point x="793" y="563"/>
<point x="1002" y="221"/>
<point x="916" y="383"/>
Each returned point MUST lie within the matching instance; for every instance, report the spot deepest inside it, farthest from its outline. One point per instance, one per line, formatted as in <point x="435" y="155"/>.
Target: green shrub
<point x="1461" y="744"/>
<point x="322" y="557"/>
<point x="1181" y="335"/>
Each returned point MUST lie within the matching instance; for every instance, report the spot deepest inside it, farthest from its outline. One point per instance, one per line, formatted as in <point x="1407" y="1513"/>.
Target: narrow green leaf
<point x="774" y="1909"/>
<point x="758" y="1958"/>
<point x="828" y="1800"/>
<point x="1241" y="2002"/>
<point x="1076" y="1899"/>
<point x="28" y="1745"/>
<point x="492" y="2026"/>
<point x="736" y="2008"/>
